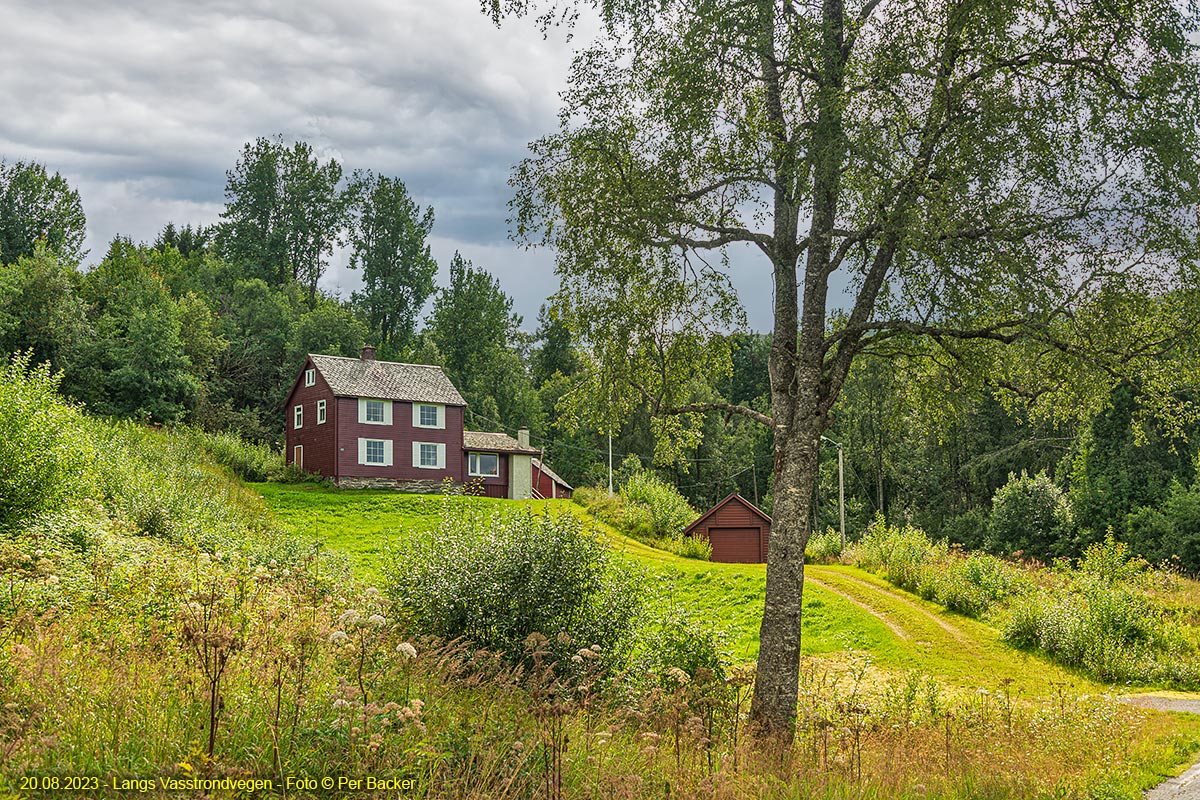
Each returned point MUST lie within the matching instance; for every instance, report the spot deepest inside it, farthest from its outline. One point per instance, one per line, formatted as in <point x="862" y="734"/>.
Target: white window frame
<point x="387" y="452"/>
<point x="440" y="424"/>
<point x="298" y="417"/>
<point x="310" y="377"/>
<point x="441" y="455"/>
<point x="320" y="412"/>
<point x="362" y="411"/>
<point x="473" y="460"/>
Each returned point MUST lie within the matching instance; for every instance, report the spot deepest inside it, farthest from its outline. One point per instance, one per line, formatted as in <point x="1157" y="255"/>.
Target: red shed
<point x="738" y="531"/>
<point x="547" y="483"/>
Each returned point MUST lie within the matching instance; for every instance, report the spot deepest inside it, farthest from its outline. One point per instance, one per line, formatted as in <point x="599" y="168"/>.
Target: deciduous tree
<point x="980" y="174"/>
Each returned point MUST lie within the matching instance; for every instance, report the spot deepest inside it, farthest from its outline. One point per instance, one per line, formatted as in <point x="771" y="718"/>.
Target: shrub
<point x="690" y="547"/>
<point x="824" y="547"/>
<point x="250" y="461"/>
<point x="496" y="581"/>
<point x="663" y="509"/>
<point x="46" y="452"/>
<point x="1029" y="516"/>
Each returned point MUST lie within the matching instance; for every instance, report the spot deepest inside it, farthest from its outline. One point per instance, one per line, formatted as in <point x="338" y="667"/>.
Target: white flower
<point x="371" y="592"/>
<point x="338" y="637"/>
<point x="349" y="618"/>
<point x="407" y="650"/>
<point x="376" y="621"/>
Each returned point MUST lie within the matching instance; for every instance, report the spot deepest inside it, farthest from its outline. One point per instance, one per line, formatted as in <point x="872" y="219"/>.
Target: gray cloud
<point x="144" y="105"/>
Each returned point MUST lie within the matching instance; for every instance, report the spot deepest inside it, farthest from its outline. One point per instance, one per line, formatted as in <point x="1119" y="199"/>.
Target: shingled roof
<point x="387" y="380"/>
<point x="498" y="442"/>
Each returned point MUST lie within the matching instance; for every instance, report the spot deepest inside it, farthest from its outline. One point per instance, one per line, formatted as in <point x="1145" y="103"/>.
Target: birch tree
<point x="985" y="176"/>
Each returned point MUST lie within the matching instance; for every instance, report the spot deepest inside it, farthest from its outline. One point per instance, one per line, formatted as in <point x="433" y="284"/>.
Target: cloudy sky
<point x="143" y="105"/>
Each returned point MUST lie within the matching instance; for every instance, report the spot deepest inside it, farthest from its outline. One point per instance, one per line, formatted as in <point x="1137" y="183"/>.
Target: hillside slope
<point x="850" y="615"/>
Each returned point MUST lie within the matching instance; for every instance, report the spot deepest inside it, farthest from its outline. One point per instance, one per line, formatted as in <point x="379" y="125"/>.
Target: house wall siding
<point x="319" y="441"/>
<point x="402" y="435"/>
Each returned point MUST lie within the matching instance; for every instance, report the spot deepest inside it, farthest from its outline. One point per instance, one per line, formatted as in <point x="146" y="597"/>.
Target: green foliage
<point x="1031" y="516"/>
<point x="46" y="453"/>
<point x="250" y="461"/>
<point x="824" y="547"/>
<point x="41" y="311"/>
<point x="1101" y="623"/>
<point x="39" y="208"/>
<point x="285" y="212"/>
<point x="497" y="580"/>
<point x="655" y="508"/>
<point x="388" y="236"/>
<point x="675" y="639"/>
<point x="472" y="332"/>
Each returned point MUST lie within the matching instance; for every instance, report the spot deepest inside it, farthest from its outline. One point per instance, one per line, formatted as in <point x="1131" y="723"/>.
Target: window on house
<point x="298" y="417"/>
<point x="374" y="411"/>
<point x="310" y="377"/>
<point x="429" y="455"/>
<point x="484" y="465"/>
<point x="429" y="416"/>
<point x="375" y="451"/>
<point x="320" y="412"/>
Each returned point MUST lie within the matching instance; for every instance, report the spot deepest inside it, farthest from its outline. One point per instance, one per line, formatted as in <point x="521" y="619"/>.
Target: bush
<point x="496" y="581"/>
<point x="660" y="506"/>
<point x="824" y="547"/>
<point x="46" y="453"/>
<point x="690" y="547"/>
<point x="1029" y="516"/>
<point x="248" y="460"/>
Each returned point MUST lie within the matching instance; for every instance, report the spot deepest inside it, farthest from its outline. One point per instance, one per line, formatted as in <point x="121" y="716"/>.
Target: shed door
<point x="736" y="545"/>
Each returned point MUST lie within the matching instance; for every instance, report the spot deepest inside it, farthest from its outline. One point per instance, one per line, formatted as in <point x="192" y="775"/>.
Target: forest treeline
<point x="209" y="325"/>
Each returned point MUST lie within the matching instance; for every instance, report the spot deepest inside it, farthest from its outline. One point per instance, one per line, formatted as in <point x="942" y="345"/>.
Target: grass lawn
<point x="848" y="613"/>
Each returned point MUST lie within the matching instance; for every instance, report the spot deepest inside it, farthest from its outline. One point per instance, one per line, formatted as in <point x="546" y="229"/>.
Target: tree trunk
<point x="776" y="687"/>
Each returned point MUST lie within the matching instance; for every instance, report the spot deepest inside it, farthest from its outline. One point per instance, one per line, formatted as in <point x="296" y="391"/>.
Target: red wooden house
<point x="547" y="483"/>
<point x="368" y="423"/>
<point x="736" y="529"/>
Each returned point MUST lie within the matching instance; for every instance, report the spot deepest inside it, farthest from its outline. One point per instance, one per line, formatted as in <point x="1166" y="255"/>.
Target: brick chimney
<point x="368" y="353"/>
<point x="523" y="438"/>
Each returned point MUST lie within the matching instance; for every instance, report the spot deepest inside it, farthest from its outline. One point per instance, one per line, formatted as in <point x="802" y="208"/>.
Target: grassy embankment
<point x="849" y="613"/>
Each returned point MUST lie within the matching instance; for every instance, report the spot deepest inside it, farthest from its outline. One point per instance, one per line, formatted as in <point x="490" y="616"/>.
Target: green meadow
<point x="850" y="615"/>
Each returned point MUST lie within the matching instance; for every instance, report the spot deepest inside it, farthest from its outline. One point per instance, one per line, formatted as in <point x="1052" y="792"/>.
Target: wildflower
<point x="341" y="702"/>
<point x="376" y="621"/>
<point x="576" y="659"/>
<point x="338" y="638"/>
<point x="417" y="705"/>
<point x="371" y="592"/>
<point x="407" y="650"/>
<point x="349" y="618"/>
<point x="678" y="675"/>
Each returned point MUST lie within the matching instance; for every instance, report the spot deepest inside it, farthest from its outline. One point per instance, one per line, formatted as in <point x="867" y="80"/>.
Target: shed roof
<point x="733" y="498"/>
<point x="496" y="442"/>
<point x="387" y="380"/>
<point x="537" y="464"/>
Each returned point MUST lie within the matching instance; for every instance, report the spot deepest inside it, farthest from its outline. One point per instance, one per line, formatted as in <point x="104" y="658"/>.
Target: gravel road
<point x="1181" y="787"/>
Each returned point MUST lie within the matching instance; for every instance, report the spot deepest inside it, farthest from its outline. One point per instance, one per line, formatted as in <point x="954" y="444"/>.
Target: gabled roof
<point x="538" y="465"/>
<point x="733" y="498"/>
<point x="494" y="442"/>
<point x="387" y="380"/>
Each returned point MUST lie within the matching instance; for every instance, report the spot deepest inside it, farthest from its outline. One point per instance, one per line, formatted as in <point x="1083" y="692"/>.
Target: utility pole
<point x="842" y="493"/>
<point x="610" y="491"/>
<point x="841" y="487"/>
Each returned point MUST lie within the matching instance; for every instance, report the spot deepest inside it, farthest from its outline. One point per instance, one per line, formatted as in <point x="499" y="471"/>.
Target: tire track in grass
<point x="954" y="631"/>
<point x="891" y="625"/>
